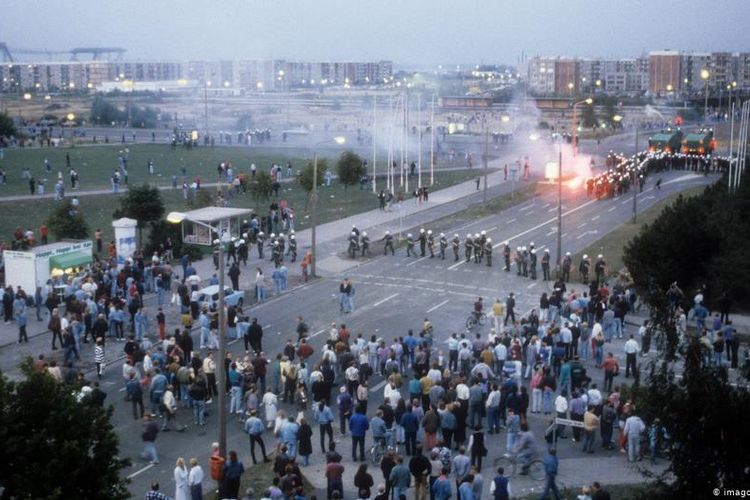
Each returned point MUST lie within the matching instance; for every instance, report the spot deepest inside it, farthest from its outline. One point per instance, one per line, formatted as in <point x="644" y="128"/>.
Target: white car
<point x="210" y="296"/>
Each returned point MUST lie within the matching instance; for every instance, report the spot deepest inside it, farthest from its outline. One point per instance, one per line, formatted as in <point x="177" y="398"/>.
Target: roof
<point x="695" y="137"/>
<point x="211" y="214"/>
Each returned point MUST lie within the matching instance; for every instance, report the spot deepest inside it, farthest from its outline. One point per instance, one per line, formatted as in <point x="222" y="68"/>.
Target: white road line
<point x="454" y="266"/>
<point x="144" y="469"/>
<point x="317" y="333"/>
<point x="378" y="386"/>
<point x="122" y="390"/>
<point x="625" y="201"/>
<point x="524" y="233"/>
<point x="530" y="212"/>
<point x="510" y="221"/>
<point x="267" y="326"/>
<point x="563" y="235"/>
<point x="531" y="286"/>
<point x="595" y="218"/>
<point x="492" y="228"/>
<point x="382" y="301"/>
<point x="546" y="205"/>
<point x="439" y="305"/>
<point x="526" y="208"/>
<point x="579" y="226"/>
<point x="551" y="210"/>
<point x="233" y="341"/>
<point x="550" y="233"/>
<point x="611" y="209"/>
<point x="415" y="261"/>
<point x="470" y="224"/>
<point x="540" y="247"/>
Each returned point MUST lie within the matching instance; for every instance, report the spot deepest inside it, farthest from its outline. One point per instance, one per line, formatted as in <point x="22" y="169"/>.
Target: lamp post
<point x="176" y="218"/>
<point x="484" y="157"/>
<point x="313" y="243"/>
<point x="589" y="101"/>
<point x="705" y="74"/>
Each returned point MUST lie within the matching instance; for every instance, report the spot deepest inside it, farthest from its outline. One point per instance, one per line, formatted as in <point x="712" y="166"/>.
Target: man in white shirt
<point x="631" y="351"/>
<point x="501" y="354"/>
<point x="561" y="409"/>
<point x="391" y="394"/>
<point x="594" y="396"/>
<point x="633" y="429"/>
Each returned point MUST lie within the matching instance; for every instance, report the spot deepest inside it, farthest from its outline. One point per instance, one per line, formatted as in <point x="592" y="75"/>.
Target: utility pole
<point x="220" y="371"/>
<point x="559" y="214"/>
<point x="484" y="157"/>
<point x="314" y="214"/>
<point x="635" y="178"/>
<point x="374" y="148"/>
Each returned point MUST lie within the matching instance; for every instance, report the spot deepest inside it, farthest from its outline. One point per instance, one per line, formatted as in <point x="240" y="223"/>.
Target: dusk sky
<point x="409" y="32"/>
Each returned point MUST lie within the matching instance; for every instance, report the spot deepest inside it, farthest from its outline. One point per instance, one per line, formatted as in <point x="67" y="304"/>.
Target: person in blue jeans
<point x="358" y="426"/>
<point x="550" y="469"/>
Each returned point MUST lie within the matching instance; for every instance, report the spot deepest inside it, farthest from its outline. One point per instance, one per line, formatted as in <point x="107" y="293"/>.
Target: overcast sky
<point x="408" y="32"/>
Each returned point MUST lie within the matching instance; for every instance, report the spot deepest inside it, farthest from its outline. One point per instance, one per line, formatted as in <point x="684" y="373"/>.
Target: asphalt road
<point x="393" y="295"/>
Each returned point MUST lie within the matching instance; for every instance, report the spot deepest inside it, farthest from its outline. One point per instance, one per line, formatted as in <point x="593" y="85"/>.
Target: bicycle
<point x="512" y="467"/>
<point x="475" y="319"/>
<point x="380" y="447"/>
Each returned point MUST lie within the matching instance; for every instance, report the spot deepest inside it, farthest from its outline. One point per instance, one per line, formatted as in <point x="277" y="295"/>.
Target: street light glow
<point x="589" y="100"/>
<point x="176" y="217"/>
<point x="705" y="74"/>
<point x="505" y="118"/>
<point x="339" y="139"/>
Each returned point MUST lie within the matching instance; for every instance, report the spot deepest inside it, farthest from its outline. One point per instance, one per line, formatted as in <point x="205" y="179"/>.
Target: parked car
<point x="210" y="296"/>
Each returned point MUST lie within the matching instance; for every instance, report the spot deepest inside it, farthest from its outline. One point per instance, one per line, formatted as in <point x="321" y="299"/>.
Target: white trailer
<point x="33" y="267"/>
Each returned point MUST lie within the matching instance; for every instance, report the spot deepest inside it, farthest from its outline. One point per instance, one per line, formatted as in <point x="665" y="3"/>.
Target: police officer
<point x="231" y="251"/>
<point x="410" y="245"/>
<point x="583" y="269"/>
<point x="431" y="243"/>
<point x="242" y="249"/>
<point x="422" y="242"/>
<point x="365" y="244"/>
<point x="353" y="244"/>
<point x="519" y="261"/>
<point x="388" y="239"/>
<point x="260" y="240"/>
<point x="506" y="255"/>
<point x="468" y="246"/>
<point x="456" y="245"/>
<point x="483" y="240"/>
<point x="443" y="245"/>
<point x="355" y="231"/>
<point x="566" y="263"/>
<point x="488" y="251"/>
<point x="525" y="262"/>
<point x="271" y="241"/>
<point x="292" y="247"/>
<point x="477" y="248"/>
<point x="600" y="268"/>
<point x="532" y="263"/>
<point x="276" y="254"/>
<point x="282" y="245"/>
<point x="545" y="265"/>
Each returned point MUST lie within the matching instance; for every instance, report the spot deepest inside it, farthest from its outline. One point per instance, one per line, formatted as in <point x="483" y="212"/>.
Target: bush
<point x="68" y="222"/>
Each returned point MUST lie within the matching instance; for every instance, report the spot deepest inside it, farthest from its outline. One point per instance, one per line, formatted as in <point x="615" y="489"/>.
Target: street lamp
<point x="313" y="244"/>
<point x="589" y="101"/>
<point x="177" y="218"/>
<point x="705" y="74"/>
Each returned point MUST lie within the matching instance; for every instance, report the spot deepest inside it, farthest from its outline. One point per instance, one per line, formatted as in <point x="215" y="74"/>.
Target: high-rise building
<point x="664" y="72"/>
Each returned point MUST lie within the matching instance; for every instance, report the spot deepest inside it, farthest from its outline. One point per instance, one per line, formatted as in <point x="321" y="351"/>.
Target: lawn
<point x="95" y="164"/>
<point x="335" y="203"/>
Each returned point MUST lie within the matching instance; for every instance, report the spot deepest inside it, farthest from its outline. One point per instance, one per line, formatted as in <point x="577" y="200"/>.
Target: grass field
<point x="95" y="164"/>
<point x="334" y="204"/>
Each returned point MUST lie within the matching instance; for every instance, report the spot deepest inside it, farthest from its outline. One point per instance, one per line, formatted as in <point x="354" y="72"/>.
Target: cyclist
<point x="525" y="449"/>
<point x="379" y="429"/>
<point x="478" y="305"/>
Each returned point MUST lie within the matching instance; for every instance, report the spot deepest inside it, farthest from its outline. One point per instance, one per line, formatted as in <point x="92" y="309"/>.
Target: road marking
<point x="573" y="210"/>
<point x="470" y="224"/>
<point x="650" y="197"/>
<point x="492" y="228"/>
<point x="122" y="390"/>
<point x="267" y="326"/>
<point x="595" y="218"/>
<point x="144" y="469"/>
<point x="510" y="221"/>
<point x="551" y="210"/>
<point x="462" y="261"/>
<point x="233" y="341"/>
<point x="439" y="305"/>
<point x="415" y="261"/>
<point x="377" y="386"/>
<point x="317" y="333"/>
<point x="546" y="205"/>
<point x="611" y="209"/>
<point x="382" y="301"/>
<point x="551" y="233"/>
<point x="563" y="235"/>
<point x="579" y="226"/>
<point x="530" y="212"/>
<point x="531" y="286"/>
<point x="541" y="247"/>
<point x="625" y="201"/>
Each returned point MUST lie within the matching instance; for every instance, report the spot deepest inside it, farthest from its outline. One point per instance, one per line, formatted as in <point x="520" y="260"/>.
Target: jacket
<point x="358" y="424"/>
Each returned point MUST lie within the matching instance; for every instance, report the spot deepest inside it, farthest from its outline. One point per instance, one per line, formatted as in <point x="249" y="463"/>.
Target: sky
<point x="408" y="32"/>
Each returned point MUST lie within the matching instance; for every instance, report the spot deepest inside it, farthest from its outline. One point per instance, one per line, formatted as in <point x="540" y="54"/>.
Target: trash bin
<point x="40" y="188"/>
<point x="217" y="468"/>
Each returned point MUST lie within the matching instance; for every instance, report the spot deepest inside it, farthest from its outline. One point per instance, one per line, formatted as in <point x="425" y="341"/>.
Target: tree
<point x="588" y="116"/>
<point x="305" y="177"/>
<point x="7" y="128"/>
<point x="67" y="221"/>
<point x="55" y="447"/>
<point x="261" y="186"/>
<point x="142" y="203"/>
<point x="350" y="168"/>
